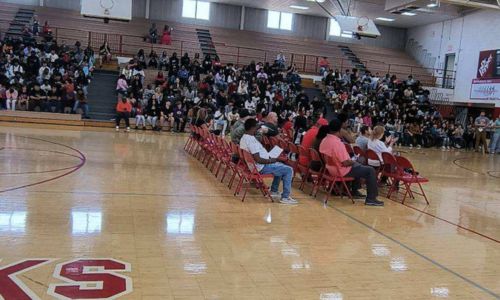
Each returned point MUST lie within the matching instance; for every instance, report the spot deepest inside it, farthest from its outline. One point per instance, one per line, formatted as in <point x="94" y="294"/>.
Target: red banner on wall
<point x="489" y="64"/>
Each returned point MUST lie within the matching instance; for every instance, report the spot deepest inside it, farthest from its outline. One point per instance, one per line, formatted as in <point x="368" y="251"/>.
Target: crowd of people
<point x="194" y="90"/>
<point x="375" y="112"/>
<point x="38" y="74"/>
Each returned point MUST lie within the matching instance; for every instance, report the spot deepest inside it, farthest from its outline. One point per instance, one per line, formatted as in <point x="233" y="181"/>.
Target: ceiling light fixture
<point x="299" y="7"/>
<point x="432" y="5"/>
<point x="409" y="14"/>
<point x="319" y="1"/>
<point x="384" y="19"/>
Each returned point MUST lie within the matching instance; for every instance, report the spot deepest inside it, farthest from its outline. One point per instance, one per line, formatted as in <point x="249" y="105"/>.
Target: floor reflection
<point x="14" y="222"/>
<point x="440" y="292"/>
<point x="85" y="222"/>
<point x="398" y="264"/>
<point x="180" y="222"/>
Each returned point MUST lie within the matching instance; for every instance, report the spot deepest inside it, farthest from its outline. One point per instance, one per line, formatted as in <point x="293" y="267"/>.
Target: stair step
<point x="13" y="32"/>
<point x="26" y="17"/>
<point x="202" y="30"/>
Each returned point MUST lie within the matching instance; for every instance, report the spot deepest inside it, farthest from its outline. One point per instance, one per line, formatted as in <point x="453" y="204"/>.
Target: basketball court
<point x="77" y="202"/>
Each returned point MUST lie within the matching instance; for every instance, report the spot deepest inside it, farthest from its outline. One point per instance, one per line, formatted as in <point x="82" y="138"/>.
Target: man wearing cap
<point x="308" y="139"/>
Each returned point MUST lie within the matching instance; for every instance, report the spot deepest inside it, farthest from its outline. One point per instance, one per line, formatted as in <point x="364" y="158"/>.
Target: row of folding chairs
<point x="397" y="169"/>
<point x="218" y="155"/>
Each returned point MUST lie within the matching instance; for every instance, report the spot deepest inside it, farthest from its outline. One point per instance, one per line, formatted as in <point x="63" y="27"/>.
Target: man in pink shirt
<point x="332" y="146"/>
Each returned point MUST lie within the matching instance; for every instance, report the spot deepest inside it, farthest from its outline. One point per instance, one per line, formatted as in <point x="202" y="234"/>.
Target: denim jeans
<point x="280" y="172"/>
<point x="495" y="143"/>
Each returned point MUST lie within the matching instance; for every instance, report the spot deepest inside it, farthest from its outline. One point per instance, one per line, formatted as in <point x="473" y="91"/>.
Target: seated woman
<point x="378" y="146"/>
<point x="166" y="38"/>
<point x="105" y="53"/>
<point x="153" y="59"/>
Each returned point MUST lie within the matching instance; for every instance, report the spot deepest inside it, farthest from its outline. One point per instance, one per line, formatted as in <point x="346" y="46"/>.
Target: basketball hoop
<point x="107" y="5"/>
<point x="363" y="23"/>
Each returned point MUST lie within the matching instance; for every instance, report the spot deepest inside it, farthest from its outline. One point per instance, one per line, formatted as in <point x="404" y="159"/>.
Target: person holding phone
<point x="268" y="165"/>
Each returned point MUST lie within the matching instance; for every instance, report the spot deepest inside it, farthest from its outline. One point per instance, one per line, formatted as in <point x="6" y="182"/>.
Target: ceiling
<point x="369" y="8"/>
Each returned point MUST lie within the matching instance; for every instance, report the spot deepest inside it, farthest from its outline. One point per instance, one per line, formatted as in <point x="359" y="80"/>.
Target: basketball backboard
<point x="107" y="9"/>
<point x="362" y="26"/>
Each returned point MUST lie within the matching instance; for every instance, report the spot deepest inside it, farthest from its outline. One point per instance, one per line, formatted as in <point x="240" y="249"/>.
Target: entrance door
<point x="449" y="71"/>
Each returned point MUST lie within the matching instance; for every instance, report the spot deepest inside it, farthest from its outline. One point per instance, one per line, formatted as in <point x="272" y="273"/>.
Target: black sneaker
<point x="358" y="195"/>
<point x="374" y="202"/>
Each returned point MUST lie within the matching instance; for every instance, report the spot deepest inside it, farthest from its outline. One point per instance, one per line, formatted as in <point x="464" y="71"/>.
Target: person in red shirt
<point x="333" y="147"/>
<point x="308" y="139"/>
<point x="123" y="109"/>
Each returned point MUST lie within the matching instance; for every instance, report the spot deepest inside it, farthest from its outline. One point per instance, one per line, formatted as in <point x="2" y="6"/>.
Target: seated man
<point x="271" y="124"/>
<point x="332" y="146"/>
<point x="266" y="165"/>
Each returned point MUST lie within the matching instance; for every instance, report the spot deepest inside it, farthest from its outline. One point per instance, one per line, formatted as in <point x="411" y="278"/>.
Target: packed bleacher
<point x="38" y="74"/>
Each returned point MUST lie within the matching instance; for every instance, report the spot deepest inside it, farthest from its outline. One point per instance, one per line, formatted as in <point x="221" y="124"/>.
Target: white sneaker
<point x="411" y="146"/>
<point x="117" y="128"/>
<point x="418" y="146"/>
<point x="444" y="148"/>
<point x="276" y="195"/>
<point x="128" y="129"/>
<point x="289" y="200"/>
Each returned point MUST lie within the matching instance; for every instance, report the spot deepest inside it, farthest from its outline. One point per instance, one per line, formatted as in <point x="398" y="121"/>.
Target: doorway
<point x="449" y="71"/>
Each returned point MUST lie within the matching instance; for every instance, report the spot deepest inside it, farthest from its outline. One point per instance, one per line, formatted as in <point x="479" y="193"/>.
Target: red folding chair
<point x="266" y="142"/>
<point x="390" y="170"/>
<point x="293" y="156"/>
<point x="349" y="149"/>
<point x="361" y="154"/>
<point x="190" y="140"/>
<point x="329" y="180"/>
<point x="315" y="175"/>
<point x="372" y="155"/>
<point x="251" y="175"/>
<point x="409" y="176"/>
<point x="301" y="169"/>
<point x="238" y="167"/>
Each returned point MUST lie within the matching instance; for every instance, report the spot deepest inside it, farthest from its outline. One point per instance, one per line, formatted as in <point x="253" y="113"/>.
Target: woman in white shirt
<point x="378" y="146"/>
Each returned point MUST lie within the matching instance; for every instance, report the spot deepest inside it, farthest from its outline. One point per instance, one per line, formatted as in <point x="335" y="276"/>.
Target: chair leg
<point x="392" y="188"/>
<point x="407" y="191"/>
<point x="348" y="192"/>
<point x="423" y="193"/>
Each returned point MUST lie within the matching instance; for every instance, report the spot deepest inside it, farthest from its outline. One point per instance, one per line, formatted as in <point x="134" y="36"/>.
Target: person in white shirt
<point x="267" y="165"/>
<point x="250" y="105"/>
<point x="378" y="146"/>
<point x="11" y="96"/>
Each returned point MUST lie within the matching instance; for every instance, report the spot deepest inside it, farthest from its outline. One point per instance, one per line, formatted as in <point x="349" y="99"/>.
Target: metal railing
<point x="128" y="45"/>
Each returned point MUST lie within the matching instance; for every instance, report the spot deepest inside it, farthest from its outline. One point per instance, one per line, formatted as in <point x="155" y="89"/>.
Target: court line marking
<point x="82" y="158"/>
<point x="486" y="290"/>
<point x="39" y="172"/>
<point x="449" y="222"/>
<point x="455" y="162"/>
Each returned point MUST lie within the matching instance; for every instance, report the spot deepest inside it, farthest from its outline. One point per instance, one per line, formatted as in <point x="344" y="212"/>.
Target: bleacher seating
<point x="233" y="46"/>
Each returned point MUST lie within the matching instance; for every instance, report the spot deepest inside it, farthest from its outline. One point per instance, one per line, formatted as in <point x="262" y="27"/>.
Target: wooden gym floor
<point x="139" y="198"/>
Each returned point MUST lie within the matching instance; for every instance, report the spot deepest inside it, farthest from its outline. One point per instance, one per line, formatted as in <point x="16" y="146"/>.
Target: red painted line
<point x="40" y="172"/>
<point x="449" y="222"/>
<point x="82" y="158"/>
